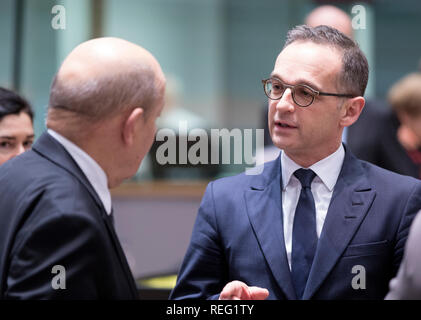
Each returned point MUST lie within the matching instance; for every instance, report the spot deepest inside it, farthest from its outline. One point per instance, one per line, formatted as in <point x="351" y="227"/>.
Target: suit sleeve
<point x="70" y="241"/>
<point x="203" y="272"/>
<point x="412" y="207"/>
<point x="407" y="284"/>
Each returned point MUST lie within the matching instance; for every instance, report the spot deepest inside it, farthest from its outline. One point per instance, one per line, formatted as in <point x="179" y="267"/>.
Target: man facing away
<point x="56" y="209"/>
<point x="317" y="223"/>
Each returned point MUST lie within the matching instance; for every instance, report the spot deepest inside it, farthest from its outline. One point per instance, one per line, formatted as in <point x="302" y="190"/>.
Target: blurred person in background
<point x="407" y="284"/>
<point x="361" y="137"/>
<point x="405" y="100"/>
<point x="16" y="125"/>
<point x="331" y="16"/>
<point x="391" y="140"/>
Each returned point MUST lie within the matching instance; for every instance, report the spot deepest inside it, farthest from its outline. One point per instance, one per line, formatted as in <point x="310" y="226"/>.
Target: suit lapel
<point x="51" y="149"/>
<point x="351" y="200"/>
<point x="264" y="209"/>
<point x="120" y="253"/>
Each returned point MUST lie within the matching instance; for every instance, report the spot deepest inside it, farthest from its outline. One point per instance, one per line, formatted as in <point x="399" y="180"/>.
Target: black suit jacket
<point x="50" y="215"/>
<point x="373" y="138"/>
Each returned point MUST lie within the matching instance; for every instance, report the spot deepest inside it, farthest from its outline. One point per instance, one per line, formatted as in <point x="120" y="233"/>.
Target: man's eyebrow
<point x="30" y="136"/>
<point x="298" y="81"/>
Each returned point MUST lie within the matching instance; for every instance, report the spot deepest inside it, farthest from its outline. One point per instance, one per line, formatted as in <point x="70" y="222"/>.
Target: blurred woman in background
<point x="16" y="125"/>
<point x="405" y="99"/>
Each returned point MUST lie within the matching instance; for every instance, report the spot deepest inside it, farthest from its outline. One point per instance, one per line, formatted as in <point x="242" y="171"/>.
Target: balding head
<point x="330" y="16"/>
<point x="103" y="77"/>
<point x="105" y="98"/>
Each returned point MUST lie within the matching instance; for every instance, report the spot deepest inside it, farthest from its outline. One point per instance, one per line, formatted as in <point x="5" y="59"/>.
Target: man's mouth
<point x="284" y="124"/>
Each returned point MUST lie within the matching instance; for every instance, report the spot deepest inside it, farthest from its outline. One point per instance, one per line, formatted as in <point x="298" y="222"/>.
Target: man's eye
<point x="277" y="87"/>
<point x="304" y="92"/>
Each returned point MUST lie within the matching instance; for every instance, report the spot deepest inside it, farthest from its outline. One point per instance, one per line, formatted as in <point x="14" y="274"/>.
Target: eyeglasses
<point x="302" y="94"/>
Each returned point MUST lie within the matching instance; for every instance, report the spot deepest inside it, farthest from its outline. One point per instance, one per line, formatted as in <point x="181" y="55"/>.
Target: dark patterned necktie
<point x="304" y="234"/>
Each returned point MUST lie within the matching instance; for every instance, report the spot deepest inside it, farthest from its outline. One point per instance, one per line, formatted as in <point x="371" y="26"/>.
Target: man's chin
<point x="281" y="143"/>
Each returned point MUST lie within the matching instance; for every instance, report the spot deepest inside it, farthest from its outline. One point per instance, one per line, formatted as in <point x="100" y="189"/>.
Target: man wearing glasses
<point x="317" y="223"/>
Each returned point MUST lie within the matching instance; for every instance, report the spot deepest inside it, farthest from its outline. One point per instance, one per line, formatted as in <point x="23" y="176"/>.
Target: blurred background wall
<point x="218" y="50"/>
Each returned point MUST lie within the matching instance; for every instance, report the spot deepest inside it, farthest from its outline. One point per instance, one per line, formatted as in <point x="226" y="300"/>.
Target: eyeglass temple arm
<point x="320" y="93"/>
<point x="336" y="94"/>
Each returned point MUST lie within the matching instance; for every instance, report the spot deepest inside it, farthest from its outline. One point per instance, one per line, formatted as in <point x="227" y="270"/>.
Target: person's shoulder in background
<point x="373" y="136"/>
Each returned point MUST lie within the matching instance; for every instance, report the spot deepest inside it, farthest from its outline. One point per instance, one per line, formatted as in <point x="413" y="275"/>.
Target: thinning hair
<point x="101" y="97"/>
<point x="353" y="77"/>
<point x="405" y="95"/>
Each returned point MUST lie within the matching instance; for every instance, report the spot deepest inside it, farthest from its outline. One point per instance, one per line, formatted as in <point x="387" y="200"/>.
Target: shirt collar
<point x="327" y="169"/>
<point x="93" y="172"/>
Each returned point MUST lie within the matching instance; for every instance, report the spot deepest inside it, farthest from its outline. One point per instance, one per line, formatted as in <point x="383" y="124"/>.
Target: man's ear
<point x="352" y="110"/>
<point x="132" y="125"/>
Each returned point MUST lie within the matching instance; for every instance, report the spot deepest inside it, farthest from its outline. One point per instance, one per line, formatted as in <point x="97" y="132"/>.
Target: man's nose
<point x="286" y="103"/>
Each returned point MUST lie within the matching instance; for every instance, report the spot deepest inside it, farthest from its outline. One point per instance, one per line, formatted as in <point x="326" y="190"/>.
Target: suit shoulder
<point x="256" y="176"/>
<point x="33" y="167"/>
<point x="34" y="180"/>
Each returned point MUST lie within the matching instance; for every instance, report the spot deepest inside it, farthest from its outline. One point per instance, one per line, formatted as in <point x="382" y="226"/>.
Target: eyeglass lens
<point x="302" y="95"/>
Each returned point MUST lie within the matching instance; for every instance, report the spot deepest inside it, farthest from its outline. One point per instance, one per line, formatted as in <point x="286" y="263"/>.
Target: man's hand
<point x="237" y="290"/>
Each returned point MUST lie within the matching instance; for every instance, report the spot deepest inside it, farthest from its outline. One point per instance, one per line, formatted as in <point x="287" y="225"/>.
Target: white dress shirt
<point x="93" y="172"/>
<point x="327" y="171"/>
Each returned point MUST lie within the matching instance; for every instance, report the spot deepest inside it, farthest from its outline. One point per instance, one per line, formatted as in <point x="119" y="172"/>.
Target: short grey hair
<point x="99" y="98"/>
<point x="354" y="74"/>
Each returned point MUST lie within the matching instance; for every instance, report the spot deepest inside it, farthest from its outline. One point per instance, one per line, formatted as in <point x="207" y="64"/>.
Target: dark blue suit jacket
<point x="50" y="215"/>
<point x="238" y="235"/>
